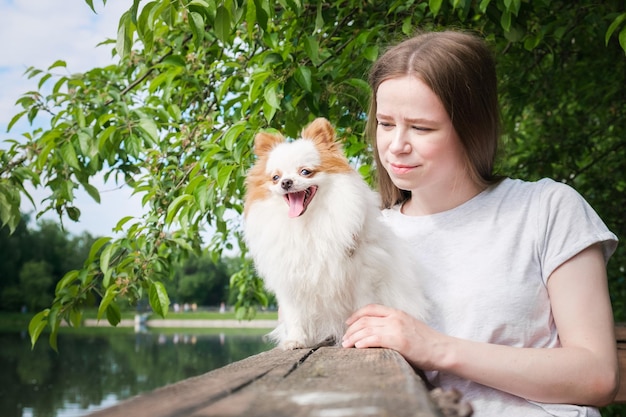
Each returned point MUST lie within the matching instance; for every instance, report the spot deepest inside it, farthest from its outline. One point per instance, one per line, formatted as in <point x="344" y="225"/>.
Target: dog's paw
<point x="291" y="345"/>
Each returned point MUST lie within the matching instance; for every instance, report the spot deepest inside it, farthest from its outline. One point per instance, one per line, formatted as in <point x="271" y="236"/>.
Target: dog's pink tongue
<point x="296" y="204"/>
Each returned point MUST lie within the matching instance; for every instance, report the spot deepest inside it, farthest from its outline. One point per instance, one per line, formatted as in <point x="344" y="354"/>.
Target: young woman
<point x="521" y="322"/>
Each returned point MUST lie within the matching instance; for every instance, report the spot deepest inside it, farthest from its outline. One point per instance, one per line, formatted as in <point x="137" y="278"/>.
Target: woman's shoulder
<point x="543" y="188"/>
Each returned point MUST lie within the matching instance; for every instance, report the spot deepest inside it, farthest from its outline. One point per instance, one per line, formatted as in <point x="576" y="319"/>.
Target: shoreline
<point x="187" y="323"/>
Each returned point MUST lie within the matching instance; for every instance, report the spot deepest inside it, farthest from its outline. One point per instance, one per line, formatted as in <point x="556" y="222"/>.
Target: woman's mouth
<point x="401" y="169"/>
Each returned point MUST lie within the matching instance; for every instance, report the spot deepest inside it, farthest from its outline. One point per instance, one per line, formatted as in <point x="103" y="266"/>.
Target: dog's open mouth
<point x="299" y="201"/>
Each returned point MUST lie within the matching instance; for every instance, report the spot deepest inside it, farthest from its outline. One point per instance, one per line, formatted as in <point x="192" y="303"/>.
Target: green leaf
<point x="67" y="279"/>
<point x="58" y="63"/>
<point x="505" y="21"/>
<point x="109" y="296"/>
<point x="614" y="25"/>
<point x="371" y="53"/>
<point x="69" y="155"/>
<point x="124" y="39"/>
<point x="269" y="111"/>
<point x="223" y="175"/>
<point x="76" y="317"/>
<point x="105" y="259"/>
<point x="531" y="42"/>
<point x="222" y="24"/>
<point x="319" y="18"/>
<point x="175" y="206"/>
<point x="36" y="326"/>
<point x="271" y="96"/>
<point x="90" y="4"/>
<point x="407" y="25"/>
<point x="311" y="47"/>
<point x="159" y="300"/>
<point x="483" y="5"/>
<point x="435" y="5"/>
<point x="104" y="136"/>
<point x="174" y="60"/>
<point x="303" y="78"/>
<point x="122" y="222"/>
<point x="261" y="15"/>
<point x="250" y="17"/>
<point x="196" y="21"/>
<point x="15" y="119"/>
<point x="73" y="213"/>
<point x="114" y="315"/>
<point x="150" y="128"/>
<point x="92" y="191"/>
<point x="43" y="80"/>
<point x="232" y="134"/>
<point x="95" y="248"/>
<point x="240" y="313"/>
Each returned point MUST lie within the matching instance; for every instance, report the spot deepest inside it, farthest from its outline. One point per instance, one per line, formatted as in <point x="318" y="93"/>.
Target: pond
<point x="93" y="371"/>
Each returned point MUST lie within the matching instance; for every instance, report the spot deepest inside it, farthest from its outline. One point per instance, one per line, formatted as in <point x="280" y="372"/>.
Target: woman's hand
<point x="379" y="326"/>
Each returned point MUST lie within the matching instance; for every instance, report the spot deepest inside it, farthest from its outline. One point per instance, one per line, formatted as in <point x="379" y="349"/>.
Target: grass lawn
<point x="19" y="321"/>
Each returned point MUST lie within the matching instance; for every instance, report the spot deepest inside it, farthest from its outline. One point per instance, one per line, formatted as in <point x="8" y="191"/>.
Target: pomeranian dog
<point x="314" y="229"/>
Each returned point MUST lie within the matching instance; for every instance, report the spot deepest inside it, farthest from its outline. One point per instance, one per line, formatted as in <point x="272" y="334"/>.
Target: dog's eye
<point x="275" y="178"/>
<point x="305" y="172"/>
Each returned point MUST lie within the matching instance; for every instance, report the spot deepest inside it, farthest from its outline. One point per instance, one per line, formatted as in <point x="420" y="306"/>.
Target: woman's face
<point x="416" y="140"/>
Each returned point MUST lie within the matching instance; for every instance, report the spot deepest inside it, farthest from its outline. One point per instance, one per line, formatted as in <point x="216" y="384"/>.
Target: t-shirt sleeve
<point x="569" y="225"/>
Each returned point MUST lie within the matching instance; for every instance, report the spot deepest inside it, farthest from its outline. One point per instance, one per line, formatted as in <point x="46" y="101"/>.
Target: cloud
<point x="37" y="33"/>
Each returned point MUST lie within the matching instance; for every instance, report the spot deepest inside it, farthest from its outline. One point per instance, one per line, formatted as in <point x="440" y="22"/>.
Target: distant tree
<point x="47" y="243"/>
<point x="15" y="249"/>
<point x="200" y="280"/>
<point x="196" y="79"/>
<point x="36" y="281"/>
<point x="11" y="298"/>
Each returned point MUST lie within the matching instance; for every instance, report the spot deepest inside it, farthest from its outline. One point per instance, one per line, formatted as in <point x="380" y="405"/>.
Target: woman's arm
<point x="583" y="371"/>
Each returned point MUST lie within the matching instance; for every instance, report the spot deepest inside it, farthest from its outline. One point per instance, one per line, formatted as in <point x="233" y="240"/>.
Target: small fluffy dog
<point x="314" y="229"/>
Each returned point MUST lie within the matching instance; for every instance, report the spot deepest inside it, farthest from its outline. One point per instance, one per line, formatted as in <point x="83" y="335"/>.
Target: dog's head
<point x="294" y="171"/>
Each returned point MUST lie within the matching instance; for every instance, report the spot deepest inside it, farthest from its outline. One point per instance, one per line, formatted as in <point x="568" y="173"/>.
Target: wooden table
<point x="620" y="336"/>
<point x="324" y="382"/>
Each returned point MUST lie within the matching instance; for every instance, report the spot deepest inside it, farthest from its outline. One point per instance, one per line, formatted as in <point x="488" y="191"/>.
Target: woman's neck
<point x="427" y="202"/>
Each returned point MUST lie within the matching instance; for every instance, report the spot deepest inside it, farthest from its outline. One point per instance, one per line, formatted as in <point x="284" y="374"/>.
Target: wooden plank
<point x="183" y="398"/>
<point x="327" y="381"/>
<point x="334" y="382"/>
<point x="620" y="336"/>
<point x="620" y="398"/>
<point x="307" y="382"/>
<point x="620" y="332"/>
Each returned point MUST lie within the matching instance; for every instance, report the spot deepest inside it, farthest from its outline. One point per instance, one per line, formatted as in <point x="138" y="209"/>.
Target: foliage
<point x="196" y="79"/>
<point x="33" y="260"/>
<point x="35" y="280"/>
<point x="200" y="280"/>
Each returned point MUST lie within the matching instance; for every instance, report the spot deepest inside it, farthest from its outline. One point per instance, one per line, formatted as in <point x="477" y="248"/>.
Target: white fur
<point x="335" y="258"/>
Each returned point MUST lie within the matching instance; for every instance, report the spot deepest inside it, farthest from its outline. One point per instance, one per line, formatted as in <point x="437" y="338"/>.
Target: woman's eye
<point x="421" y="128"/>
<point x="385" y="124"/>
<point x="305" y="172"/>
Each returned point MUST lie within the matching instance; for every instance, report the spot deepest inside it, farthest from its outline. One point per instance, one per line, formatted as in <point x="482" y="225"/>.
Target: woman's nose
<point x="399" y="144"/>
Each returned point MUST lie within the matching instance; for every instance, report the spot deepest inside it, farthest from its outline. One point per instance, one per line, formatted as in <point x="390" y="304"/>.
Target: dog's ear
<point x="265" y="142"/>
<point x="320" y="130"/>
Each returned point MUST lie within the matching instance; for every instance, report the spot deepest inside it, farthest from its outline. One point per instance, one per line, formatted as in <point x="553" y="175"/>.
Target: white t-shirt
<point x="487" y="263"/>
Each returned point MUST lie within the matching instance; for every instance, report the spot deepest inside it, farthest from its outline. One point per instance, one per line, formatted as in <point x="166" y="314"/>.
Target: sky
<point x="37" y="33"/>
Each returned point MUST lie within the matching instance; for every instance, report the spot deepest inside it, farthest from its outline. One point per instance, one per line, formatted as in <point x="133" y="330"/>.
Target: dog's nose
<point x="286" y="184"/>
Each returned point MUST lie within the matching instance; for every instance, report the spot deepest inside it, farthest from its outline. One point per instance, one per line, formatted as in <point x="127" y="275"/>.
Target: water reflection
<point x="94" y="371"/>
